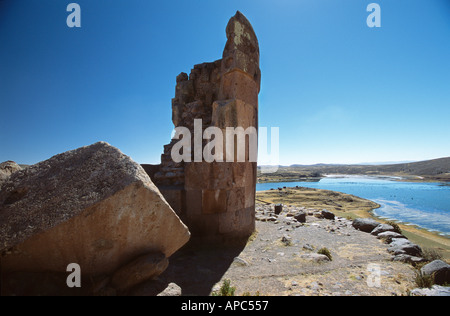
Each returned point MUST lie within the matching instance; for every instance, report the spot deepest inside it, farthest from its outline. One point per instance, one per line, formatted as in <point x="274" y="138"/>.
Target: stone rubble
<point x="402" y="249"/>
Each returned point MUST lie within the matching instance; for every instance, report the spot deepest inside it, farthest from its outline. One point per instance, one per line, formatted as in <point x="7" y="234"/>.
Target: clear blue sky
<point x="339" y="91"/>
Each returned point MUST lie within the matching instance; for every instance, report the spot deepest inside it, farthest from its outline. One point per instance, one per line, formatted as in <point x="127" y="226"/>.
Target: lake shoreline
<point x="351" y="206"/>
<point x="393" y="177"/>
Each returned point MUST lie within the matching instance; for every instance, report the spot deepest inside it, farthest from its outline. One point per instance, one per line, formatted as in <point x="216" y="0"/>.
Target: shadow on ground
<point x="196" y="268"/>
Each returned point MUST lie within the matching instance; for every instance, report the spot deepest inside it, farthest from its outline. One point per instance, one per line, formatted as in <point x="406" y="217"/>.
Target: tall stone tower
<point x="217" y="199"/>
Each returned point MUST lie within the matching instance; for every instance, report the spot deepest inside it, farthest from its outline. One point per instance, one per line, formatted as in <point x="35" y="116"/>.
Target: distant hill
<point x="421" y="168"/>
<point x="432" y="170"/>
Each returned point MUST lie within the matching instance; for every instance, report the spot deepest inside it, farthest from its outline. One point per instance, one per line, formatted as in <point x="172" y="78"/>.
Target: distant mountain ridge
<point x="432" y="170"/>
<point x="427" y="167"/>
<point x="381" y="163"/>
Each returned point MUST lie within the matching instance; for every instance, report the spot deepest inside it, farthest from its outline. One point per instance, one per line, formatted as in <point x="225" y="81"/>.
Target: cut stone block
<point x="93" y="206"/>
<point x="234" y="113"/>
<point x="214" y="201"/>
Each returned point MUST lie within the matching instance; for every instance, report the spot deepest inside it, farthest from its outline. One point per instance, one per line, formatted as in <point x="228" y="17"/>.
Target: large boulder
<point x="389" y="236"/>
<point x="7" y="168"/>
<point x="382" y="228"/>
<point x="278" y="209"/>
<point x="436" y="290"/>
<point x="300" y="217"/>
<point x="439" y="270"/>
<point x="400" y="246"/>
<point x="93" y="206"/>
<point x="365" y="224"/>
<point x="408" y="259"/>
<point x="327" y="214"/>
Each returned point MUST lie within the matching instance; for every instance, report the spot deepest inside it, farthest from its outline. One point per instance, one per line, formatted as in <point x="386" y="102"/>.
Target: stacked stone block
<point x="218" y="198"/>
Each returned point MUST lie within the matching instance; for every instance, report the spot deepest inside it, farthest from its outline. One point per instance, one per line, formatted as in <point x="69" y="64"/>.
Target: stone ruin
<point x="218" y="198"/>
<point x="96" y="207"/>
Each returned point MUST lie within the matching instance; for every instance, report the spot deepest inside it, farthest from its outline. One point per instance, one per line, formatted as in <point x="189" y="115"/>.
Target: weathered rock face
<point x="141" y="269"/>
<point x="382" y="228"/>
<point x="7" y="168"/>
<point x="365" y="224"/>
<point x="93" y="206"/>
<point x="401" y="246"/>
<point x="216" y="198"/>
<point x="439" y="270"/>
<point x="389" y="236"/>
<point x="436" y="290"/>
<point x="327" y="214"/>
<point x="300" y="217"/>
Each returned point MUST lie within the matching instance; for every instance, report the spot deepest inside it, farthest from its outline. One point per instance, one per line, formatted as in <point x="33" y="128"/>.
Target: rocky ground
<point x="281" y="259"/>
<point x="285" y="251"/>
<point x="350" y="206"/>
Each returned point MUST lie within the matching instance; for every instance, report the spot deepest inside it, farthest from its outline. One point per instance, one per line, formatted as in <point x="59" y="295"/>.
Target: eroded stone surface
<point x="7" y="168"/>
<point x="93" y="206"/>
<point x="439" y="270"/>
<point x="365" y="224"/>
<point x="142" y="269"/>
<point x="216" y="198"/>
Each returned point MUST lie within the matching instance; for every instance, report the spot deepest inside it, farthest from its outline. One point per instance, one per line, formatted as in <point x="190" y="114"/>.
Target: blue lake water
<point x="426" y="205"/>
